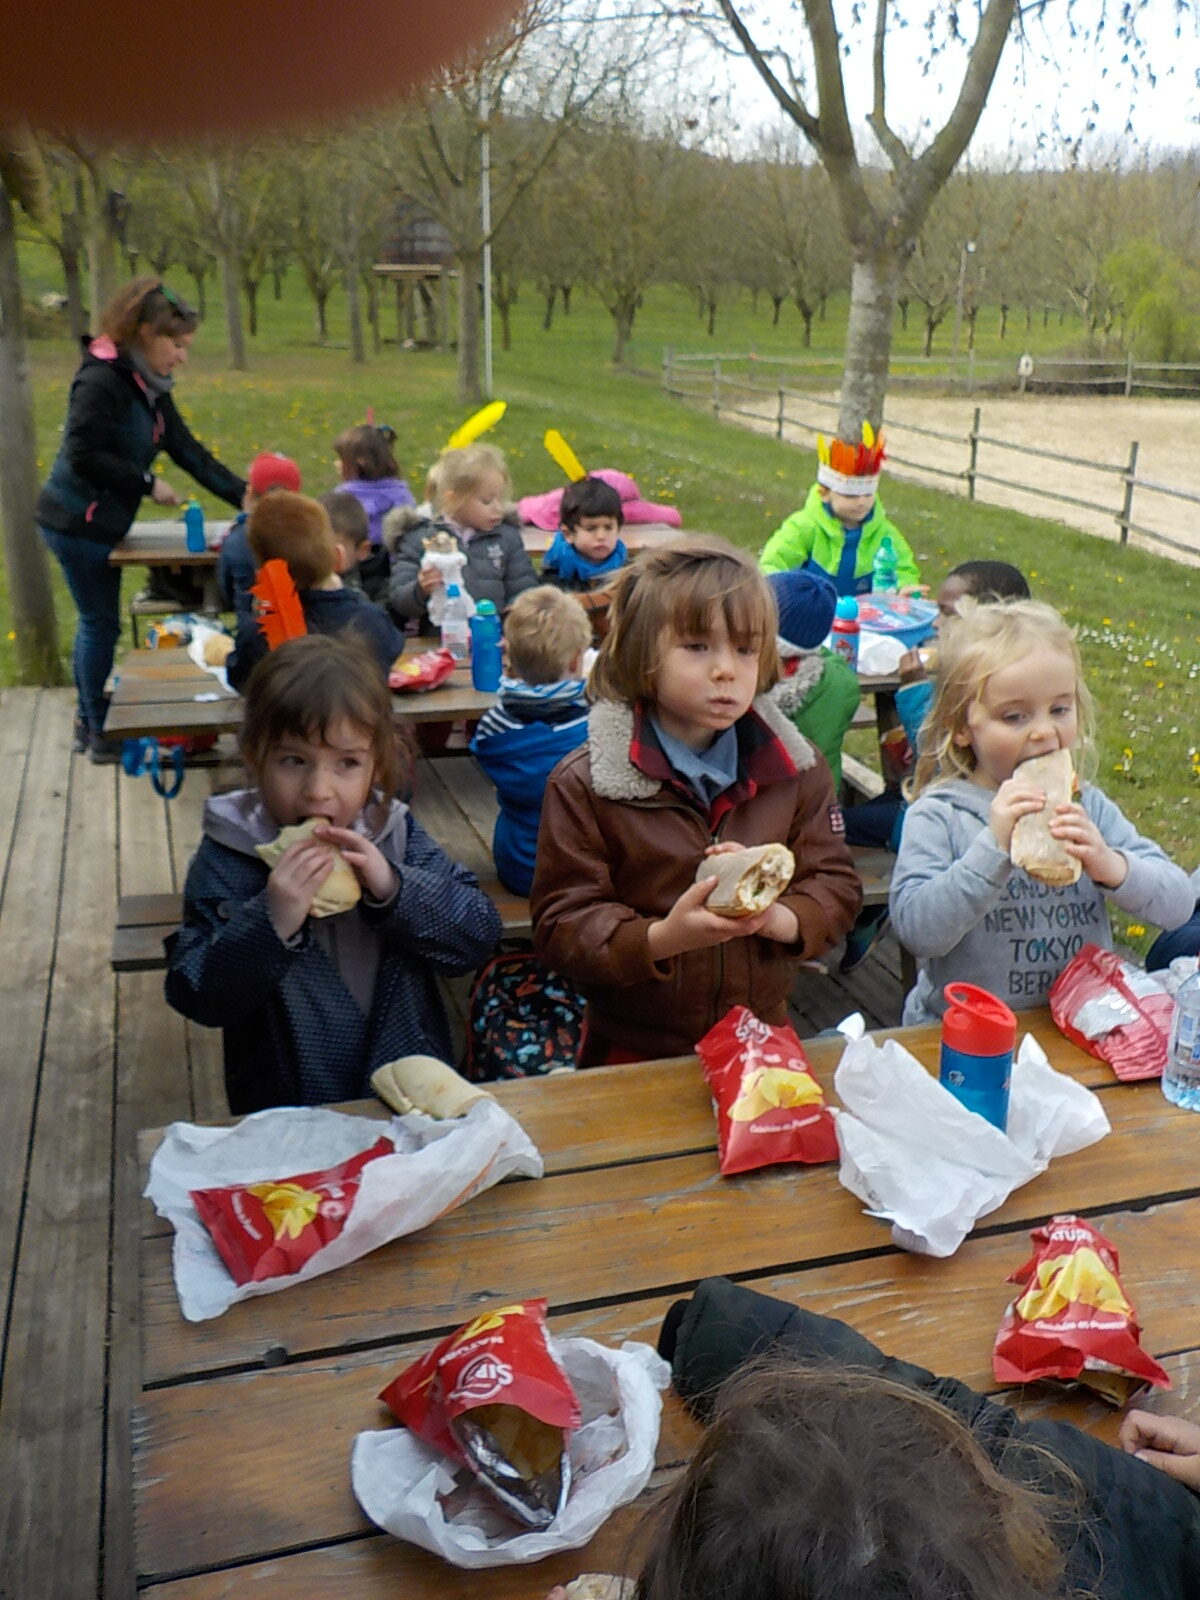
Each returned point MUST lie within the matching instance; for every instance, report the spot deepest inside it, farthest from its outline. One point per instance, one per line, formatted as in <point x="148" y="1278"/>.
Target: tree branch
<point x="788" y="103"/>
<point x="934" y="165"/>
<point x="892" y="146"/>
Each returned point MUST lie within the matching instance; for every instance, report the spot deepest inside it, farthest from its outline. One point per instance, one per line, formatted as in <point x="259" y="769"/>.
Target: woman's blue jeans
<point x="95" y="587"/>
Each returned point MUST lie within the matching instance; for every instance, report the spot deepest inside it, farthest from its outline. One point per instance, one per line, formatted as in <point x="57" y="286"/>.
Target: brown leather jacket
<point x="617" y="848"/>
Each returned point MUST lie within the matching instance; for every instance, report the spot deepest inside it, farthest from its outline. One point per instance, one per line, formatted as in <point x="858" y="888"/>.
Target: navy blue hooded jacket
<point x="294" y="1033"/>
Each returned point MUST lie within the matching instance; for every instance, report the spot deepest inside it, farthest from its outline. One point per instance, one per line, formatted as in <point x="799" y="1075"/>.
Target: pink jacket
<point x="542" y="509"/>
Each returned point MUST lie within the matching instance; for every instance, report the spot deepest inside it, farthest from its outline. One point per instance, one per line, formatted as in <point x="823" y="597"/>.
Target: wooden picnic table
<point x="244" y="1425"/>
<point x="157" y="692"/>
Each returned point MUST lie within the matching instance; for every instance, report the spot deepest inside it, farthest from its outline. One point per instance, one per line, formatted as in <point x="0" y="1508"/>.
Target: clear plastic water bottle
<point x="1181" y="1075"/>
<point x="883" y="568"/>
<point x="193" y="523"/>
<point x="485" y="648"/>
<point x="456" y="630"/>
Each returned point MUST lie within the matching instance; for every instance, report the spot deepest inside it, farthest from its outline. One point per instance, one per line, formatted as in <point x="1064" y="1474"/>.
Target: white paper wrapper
<point x="401" y="1482"/>
<point x="437" y="1166"/>
<point x="918" y="1158"/>
<point x="878" y="653"/>
<point x="202" y="631"/>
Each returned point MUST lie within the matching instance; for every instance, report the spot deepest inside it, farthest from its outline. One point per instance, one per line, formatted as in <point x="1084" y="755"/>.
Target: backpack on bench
<point x="525" y="1020"/>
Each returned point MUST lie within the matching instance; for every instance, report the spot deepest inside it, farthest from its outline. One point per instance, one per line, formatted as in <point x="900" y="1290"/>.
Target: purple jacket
<point x="378" y="497"/>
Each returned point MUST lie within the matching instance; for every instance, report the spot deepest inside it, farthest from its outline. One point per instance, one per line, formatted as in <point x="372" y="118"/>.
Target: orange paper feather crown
<point x="850" y="468"/>
<point x="280" y="614"/>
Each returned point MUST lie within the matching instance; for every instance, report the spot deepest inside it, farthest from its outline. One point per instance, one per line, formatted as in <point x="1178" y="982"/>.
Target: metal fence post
<point x="1129" y="375"/>
<point x="780" y="415"/>
<point x="1130" y="475"/>
<point x="974" y="461"/>
<point x="716" y="386"/>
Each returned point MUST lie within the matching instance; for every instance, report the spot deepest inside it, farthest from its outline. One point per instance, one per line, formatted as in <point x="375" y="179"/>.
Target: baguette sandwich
<point x="340" y="891"/>
<point x="749" y="880"/>
<point x="1033" y="847"/>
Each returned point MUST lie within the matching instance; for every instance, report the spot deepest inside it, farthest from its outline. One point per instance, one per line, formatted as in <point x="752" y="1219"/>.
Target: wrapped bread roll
<point x="1033" y="846"/>
<point x="600" y="1586"/>
<point x="748" y="881"/>
<point x="340" y="891"/>
<point x="423" y="1083"/>
<point x="217" y="649"/>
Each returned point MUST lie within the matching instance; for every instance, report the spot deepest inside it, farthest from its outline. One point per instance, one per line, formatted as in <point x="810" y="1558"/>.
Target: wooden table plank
<point x="912" y="1307"/>
<point x="574" y="1238"/>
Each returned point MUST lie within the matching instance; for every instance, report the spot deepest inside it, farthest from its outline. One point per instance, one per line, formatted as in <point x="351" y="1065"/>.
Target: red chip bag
<point x="1114" y="1009"/>
<point x="425" y="671"/>
<point x="270" y="1229"/>
<point x="1073" y="1320"/>
<point x="493" y="1398"/>
<point x="770" y="1108"/>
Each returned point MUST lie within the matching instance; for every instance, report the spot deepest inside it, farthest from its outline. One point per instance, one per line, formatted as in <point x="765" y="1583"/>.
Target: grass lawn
<point x="1138" y="615"/>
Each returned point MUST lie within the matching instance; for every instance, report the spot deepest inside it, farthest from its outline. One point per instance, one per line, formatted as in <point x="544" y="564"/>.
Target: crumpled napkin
<point x="438" y="1166"/>
<point x="406" y="1487"/>
<point x="878" y="653"/>
<point x="918" y="1158"/>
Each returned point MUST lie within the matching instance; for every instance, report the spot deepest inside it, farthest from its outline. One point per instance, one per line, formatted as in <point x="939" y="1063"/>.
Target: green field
<point x="1137" y="613"/>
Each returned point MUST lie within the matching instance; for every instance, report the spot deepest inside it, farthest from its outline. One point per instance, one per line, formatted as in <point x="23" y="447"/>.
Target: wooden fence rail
<point x="684" y="376"/>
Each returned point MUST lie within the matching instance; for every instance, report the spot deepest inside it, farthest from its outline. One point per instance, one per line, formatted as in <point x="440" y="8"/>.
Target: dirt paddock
<point x="1091" y="428"/>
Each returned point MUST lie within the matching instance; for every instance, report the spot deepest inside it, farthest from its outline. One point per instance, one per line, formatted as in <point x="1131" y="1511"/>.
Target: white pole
<point x="968" y="249"/>
<point x="485" y="219"/>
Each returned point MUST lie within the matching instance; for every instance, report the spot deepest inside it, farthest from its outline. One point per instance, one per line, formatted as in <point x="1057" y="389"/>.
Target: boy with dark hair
<point x="296" y="530"/>
<point x="363" y="565"/>
<point x="540" y="716"/>
<point x="588" y="547"/>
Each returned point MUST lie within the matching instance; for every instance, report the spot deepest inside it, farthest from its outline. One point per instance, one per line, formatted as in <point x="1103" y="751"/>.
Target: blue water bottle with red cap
<point x="978" y="1035"/>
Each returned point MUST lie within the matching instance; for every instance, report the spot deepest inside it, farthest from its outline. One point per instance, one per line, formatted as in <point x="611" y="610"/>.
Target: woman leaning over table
<point x="119" y="416"/>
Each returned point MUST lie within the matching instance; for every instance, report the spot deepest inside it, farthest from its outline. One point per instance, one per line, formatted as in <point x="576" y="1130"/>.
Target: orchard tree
<point x="30" y="597"/>
<point x="790" y="229"/>
<point x="880" y="220"/>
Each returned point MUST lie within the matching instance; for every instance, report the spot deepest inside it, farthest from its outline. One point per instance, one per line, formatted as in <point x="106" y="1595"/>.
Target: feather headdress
<point x="477" y="423"/>
<point x="563" y="456"/>
<point x="280" y="614"/>
<point x="851" y="468"/>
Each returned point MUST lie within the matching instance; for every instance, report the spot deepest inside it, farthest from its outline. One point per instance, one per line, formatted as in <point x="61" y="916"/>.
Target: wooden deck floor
<point x="85" y="1061"/>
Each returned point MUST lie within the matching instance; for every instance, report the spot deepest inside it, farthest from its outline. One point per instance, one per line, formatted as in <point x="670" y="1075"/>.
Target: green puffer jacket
<point x="820" y="699"/>
<point x="814" y="534"/>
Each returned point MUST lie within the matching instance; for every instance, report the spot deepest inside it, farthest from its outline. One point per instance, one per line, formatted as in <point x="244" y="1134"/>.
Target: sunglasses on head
<point x="179" y="307"/>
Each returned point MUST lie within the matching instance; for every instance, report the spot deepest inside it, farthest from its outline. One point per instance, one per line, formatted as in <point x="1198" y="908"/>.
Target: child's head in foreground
<point x="813" y="1484"/>
<point x="1009" y="686"/>
<point x="545" y="635"/>
<point x="985" y="581"/>
<point x="296" y="529"/>
<point x="692" y="635"/>
<point x="351" y="526"/>
<point x="365" y="452"/>
<point x="319" y="734"/>
<point x="591" y="517"/>
<point x="471" y="486"/>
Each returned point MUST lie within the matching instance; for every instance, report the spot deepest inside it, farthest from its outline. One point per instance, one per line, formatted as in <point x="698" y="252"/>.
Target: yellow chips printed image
<point x="767" y="1088"/>
<point x="1080" y="1278"/>
<point x="289" y="1208"/>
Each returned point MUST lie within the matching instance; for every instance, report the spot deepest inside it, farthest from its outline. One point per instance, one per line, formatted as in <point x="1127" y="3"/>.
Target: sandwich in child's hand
<point x="1033" y="846"/>
<point x="749" y="880"/>
<point x="340" y="891"/>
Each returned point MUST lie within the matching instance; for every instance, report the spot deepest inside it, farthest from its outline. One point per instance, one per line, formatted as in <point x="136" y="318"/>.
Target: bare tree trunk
<point x="200" y="279"/>
<point x="470" y="383"/>
<point x="358" y="347"/>
<point x="30" y="598"/>
<point x="548" y="314"/>
<point x="807" y="311"/>
<point x="250" y="285"/>
<point x="902" y="303"/>
<point x="712" y="317"/>
<point x="231" y="291"/>
<point x="1003" y="322"/>
<point x="777" y="303"/>
<point x="930" y="328"/>
<point x="73" y="278"/>
<point x="564" y="289"/>
<point x="624" y="309"/>
<point x="873" y="289"/>
<point x="100" y="237"/>
<point x="321" y="300"/>
<point x="371" y="285"/>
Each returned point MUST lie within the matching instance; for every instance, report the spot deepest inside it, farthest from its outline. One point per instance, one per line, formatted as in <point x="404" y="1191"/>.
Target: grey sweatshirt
<point x="968" y="915"/>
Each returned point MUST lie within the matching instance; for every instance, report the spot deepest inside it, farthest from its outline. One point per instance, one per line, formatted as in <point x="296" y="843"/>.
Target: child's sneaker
<point x="871" y="925"/>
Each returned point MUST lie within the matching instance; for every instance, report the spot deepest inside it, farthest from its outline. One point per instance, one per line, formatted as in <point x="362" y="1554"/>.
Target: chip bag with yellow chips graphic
<point x="1073" y="1320"/>
<point x="493" y="1398"/>
<point x="424" y="671"/>
<point x="269" y="1230"/>
<point x="770" y="1108"/>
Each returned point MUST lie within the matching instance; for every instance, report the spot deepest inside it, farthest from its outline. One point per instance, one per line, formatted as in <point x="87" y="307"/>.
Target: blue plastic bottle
<point x="978" y="1034"/>
<point x="485" y="648"/>
<point x="193" y="522"/>
<point x="883" y="568"/>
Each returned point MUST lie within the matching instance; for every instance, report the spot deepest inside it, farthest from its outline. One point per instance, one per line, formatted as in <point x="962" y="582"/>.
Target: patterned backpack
<point x="525" y="1020"/>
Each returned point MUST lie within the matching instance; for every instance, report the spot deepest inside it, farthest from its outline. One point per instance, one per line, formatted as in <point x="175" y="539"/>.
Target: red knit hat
<point x="272" y="471"/>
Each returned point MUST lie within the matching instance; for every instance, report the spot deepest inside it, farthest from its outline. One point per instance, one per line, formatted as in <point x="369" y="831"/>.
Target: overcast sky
<point x="1046" y="93"/>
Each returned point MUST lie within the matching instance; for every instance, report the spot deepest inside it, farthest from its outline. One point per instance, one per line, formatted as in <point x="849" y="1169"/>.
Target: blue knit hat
<point x="806" y="601"/>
